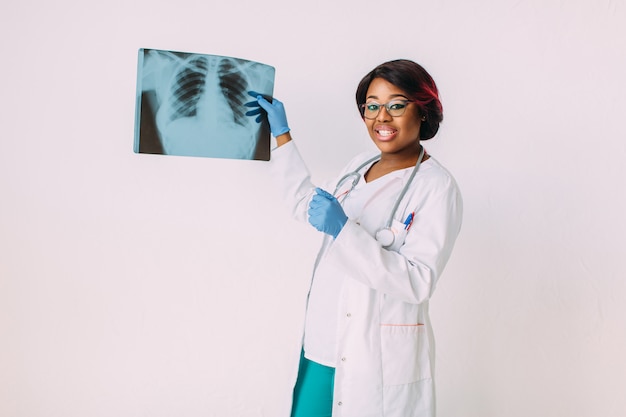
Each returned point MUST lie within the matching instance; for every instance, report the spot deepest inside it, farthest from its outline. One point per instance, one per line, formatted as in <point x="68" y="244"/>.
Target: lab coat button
<point x="349" y="315"/>
<point x="343" y="359"/>
<point x="339" y="403"/>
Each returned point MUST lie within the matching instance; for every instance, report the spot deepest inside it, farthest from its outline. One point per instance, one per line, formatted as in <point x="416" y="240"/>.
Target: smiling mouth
<point x="385" y="132"/>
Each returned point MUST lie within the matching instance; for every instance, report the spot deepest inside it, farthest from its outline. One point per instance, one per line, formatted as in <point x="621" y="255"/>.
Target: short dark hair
<point x="416" y="83"/>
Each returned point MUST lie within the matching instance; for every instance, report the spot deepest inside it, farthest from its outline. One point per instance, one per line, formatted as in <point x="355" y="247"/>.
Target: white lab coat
<point x="385" y="358"/>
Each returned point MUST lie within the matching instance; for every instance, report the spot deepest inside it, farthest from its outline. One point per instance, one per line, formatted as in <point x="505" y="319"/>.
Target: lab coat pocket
<point x="405" y="353"/>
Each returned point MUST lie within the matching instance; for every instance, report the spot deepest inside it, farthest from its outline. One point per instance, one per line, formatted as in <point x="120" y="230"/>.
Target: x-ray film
<point x="194" y="105"/>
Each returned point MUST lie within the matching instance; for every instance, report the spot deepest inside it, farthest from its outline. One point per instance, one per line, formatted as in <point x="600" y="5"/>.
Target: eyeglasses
<point x="394" y="108"/>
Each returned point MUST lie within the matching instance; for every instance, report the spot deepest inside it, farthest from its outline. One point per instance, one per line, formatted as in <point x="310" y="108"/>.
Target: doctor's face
<point x="396" y="127"/>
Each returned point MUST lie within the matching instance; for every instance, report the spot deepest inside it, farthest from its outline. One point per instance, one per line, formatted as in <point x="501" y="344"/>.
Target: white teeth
<point x="385" y="132"/>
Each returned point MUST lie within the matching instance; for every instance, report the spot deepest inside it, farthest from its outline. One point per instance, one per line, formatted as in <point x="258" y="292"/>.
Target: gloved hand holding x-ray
<point x="275" y="111"/>
<point x="193" y="104"/>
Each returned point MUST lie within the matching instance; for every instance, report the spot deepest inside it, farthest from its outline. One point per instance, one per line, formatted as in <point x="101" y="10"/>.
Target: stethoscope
<point x="385" y="236"/>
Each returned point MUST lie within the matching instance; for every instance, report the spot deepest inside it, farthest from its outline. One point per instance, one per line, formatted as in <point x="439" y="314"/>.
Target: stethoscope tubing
<point x="357" y="177"/>
<point x="405" y="189"/>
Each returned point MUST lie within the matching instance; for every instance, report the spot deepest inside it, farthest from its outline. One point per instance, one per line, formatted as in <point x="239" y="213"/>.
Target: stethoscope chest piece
<point x="385" y="237"/>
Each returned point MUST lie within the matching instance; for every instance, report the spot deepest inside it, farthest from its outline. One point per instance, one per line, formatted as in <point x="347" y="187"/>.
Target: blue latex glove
<point x="275" y="113"/>
<point x="326" y="214"/>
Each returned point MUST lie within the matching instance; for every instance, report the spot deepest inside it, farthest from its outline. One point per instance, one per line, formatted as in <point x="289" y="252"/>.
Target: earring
<point x="423" y="118"/>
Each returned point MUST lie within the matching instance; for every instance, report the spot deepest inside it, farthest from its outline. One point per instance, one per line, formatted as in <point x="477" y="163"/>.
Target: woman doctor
<point x="390" y="221"/>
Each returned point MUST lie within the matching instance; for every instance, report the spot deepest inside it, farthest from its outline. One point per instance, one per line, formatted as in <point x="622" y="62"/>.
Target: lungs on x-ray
<point x="193" y="105"/>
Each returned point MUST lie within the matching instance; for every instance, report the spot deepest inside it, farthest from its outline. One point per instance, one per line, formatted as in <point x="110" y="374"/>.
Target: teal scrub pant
<point x="313" y="393"/>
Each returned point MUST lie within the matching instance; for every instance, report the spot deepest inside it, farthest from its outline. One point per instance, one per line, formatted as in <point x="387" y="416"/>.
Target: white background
<point x="140" y="285"/>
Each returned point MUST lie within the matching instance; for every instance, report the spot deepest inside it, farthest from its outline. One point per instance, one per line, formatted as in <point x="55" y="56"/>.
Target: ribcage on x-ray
<point x="189" y="86"/>
<point x="234" y="87"/>
<point x="197" y="77"/>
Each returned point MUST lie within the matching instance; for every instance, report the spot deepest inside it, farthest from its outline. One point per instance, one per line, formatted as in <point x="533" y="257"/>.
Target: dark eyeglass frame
<point x="388" y="106"/>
